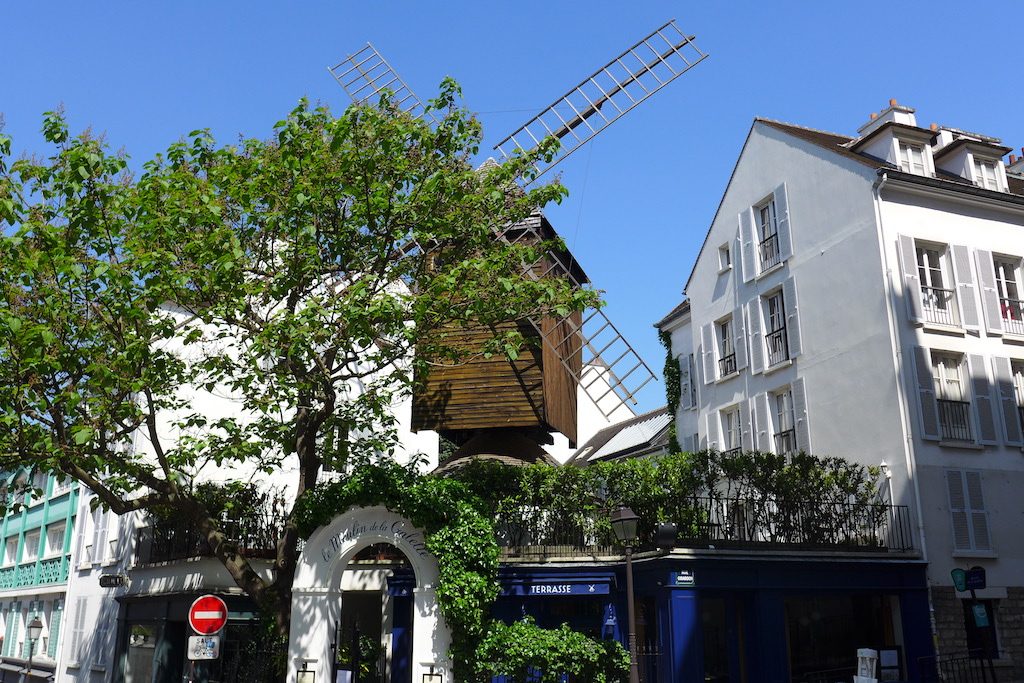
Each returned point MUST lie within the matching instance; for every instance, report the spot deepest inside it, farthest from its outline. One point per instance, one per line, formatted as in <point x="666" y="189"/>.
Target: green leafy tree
<point x="295" y="275"/>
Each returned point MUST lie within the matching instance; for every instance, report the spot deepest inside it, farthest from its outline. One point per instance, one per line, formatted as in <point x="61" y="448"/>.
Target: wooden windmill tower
<point x="508" y="407"/>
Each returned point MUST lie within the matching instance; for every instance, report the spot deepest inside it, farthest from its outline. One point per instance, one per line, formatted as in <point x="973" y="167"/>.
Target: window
<point x="954" y="408"/>
<point x="726" y="350"/>
<point x="10" y="550"/>
<point x="31" y="550"/>
<point x="985" y="174"/>
<point x="912" y="158"/>
<point x="937" y="300"/>
<point x="1017" y="368"/>
<point x="775" y="333"/>
<point x="785" y="422"/>
<point x="967" y="510"/>
<point x="1008" y="287"/>
<point x="731" y="430"/>
<point x="724" y="258"/>
<point x="768" y="235"/>
<point x="980" y="626"/>
<point x="54" y="540"/>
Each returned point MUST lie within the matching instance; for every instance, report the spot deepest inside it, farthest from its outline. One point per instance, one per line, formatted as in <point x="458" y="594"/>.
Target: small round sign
<point x="207" y="615"/>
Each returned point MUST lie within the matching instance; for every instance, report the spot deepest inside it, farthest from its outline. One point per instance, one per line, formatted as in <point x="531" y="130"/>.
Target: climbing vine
<point x="673" y="388"/>
<point x="463" y="541"/>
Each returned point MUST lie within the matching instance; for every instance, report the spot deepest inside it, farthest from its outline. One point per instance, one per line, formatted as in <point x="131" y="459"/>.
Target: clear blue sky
<point x="643" y="193"/>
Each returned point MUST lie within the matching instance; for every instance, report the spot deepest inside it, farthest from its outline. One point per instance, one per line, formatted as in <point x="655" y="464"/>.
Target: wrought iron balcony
<point x="955" y="420"/>
<point x="785" y="442"/>
<point x="166" y="541"/>
<point x="778" y="346"/>
<point x="727" y="365"/>
<point x="769" y="248"/>
<point x="939" y="305"/>
<point x="1013" y="315"/>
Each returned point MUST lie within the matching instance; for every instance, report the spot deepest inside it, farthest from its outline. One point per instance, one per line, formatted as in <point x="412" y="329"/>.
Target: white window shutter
<point x="792" y="317"/>
<point x="684" y="382"/>
<point x="747" y="254"/>
<point x="746" y="427"/>
<point x="911" y="281"/>
<point x="964" y="277"/>
<point x="958" y="510"/>
<point x="979" y="517"/>
<point x="990" y="305"/>
<point x="713" y="431"/>
<point x="783" y="222"/>
<point x="707" y="343"/>
<point x="763" y="421"/>
<point x="739" y="344"/>
<point x="756" y="338"/>
<point x="1003" y="373"/>
<point x="99" y="541"/>
<point x="922" y="361"/>
<point x="981" y="393"/>
<point x="803" y="428"/>
<point x="693" y="382"/>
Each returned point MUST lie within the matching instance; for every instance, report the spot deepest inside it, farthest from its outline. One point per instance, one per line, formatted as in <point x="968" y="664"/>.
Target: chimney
<point x="895" y="112"/>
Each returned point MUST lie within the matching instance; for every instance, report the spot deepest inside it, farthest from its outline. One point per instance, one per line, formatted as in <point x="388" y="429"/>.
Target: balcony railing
<point x="1013" y="315"/>
<point x="785" y="442"/>
<point x="955" y="420"/>
<point x="528" y="533"/>
<point x="37" y="573"/>
<point x="778" y="346"/>
<point x="727" y="365"/>
<point x="770" y="254"/>
<point x="939" y="305"/>
<point x="174" y="540"/>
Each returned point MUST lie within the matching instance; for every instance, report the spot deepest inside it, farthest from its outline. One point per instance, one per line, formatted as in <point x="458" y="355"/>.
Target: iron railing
<point x="770" y="254"/>
<point x="955" y="420"/>
<point x="727" y="365"/>
<point x="527" y="532"/>
<point x="166" y="541"/>
<point x="939" y="305"/>
<point x="785" y="441"/>
<point x="1013" y="315"/>
<point x="970" y="667"/>
<point x="778" y="346"/>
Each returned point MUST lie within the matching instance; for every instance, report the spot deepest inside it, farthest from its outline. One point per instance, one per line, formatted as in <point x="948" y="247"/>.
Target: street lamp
<point x="35" y="629"/>
<point x="624" y="525"/>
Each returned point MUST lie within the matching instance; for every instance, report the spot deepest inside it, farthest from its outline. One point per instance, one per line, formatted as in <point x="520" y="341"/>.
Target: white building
<point x="860" y="297"/>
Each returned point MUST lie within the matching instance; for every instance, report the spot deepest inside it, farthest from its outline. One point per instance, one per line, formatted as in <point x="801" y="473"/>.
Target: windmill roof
<point x="636" y="436"/>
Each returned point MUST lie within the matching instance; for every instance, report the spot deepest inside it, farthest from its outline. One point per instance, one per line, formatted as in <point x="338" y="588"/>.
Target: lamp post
<point x="624" y="524"/>
<point x="35" y="629"/>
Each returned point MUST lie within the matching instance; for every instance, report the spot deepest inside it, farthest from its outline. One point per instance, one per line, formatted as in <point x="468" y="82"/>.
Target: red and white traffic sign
<point x="207" y="615"/>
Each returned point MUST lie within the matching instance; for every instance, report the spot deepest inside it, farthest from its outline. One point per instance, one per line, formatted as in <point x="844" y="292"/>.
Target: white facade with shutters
<point x="877" y="318"/>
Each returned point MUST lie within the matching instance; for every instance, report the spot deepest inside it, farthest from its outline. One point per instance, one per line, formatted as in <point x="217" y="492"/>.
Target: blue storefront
<point x="736" y="617"/>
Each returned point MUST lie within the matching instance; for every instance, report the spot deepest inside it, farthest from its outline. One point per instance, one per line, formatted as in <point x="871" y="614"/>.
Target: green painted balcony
<point x="38" y="573"/>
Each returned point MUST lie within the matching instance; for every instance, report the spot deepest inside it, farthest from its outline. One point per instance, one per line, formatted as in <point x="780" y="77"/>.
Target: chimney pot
<point x="1013" y="159"/>
<point x="874" y="116"/>
<point x="892" y="102"/>
<point x="934" y="126"/>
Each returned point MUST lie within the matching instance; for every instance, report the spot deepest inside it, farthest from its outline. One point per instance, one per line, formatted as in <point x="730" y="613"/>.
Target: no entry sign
<point x="207" y="615"/>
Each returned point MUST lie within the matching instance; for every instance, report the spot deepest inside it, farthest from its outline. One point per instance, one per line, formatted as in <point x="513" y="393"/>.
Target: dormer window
<point x="912" y="158"/>
<point x="985" y="174"/>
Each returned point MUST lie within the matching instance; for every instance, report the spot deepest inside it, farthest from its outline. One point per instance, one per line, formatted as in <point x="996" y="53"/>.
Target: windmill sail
<point x="607" y="94"/>
<point x="365" y="75"/>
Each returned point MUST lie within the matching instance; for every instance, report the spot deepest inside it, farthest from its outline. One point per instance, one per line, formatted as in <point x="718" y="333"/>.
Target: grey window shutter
<point x="965" y="287"/>
<point x="739" y="343"/>
<point x="990" y="307"/>
<point x="746" y="427"/>
<point x="783" y="222"/>
<point x="792" y="317"/>
<point x="684" y="382"/>
<point x="712" y="426"/>
<point x="747" y="255"/>
<point x="803" y="428"/>
<point x="1003" y="373"/>
<point x="756" y="338"/>
<point x="926" y="394"/>
<point x="12" y="619"/>
<point x="981" y="393"/>
<point x="707" y="342"/>
<point x="763" y="423"/>
<point x="911" y="281"/>
<point x="958" y="510"/>
<point x="693" y="381"/>
<point x="979" y="517"/>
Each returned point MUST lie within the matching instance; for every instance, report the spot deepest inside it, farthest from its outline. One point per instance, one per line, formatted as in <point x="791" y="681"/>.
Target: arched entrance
<point x="317" y="593"/>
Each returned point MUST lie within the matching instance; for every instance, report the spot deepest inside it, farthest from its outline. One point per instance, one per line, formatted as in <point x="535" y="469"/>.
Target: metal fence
<point x="968" y="667"/>
<point x="165" y="541"/>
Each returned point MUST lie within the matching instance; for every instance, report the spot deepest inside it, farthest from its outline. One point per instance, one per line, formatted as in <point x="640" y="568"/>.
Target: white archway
<point x="316" y="592"/>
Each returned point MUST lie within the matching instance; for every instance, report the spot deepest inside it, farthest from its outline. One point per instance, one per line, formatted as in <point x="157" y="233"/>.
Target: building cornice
<point x="944" y="189"/>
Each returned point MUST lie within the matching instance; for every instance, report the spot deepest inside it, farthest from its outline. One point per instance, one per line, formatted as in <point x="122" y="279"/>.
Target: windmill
<point x="506" y="406"/>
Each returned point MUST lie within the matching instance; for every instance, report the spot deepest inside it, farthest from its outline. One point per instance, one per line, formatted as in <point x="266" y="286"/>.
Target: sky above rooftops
<point x="642" y="194"/>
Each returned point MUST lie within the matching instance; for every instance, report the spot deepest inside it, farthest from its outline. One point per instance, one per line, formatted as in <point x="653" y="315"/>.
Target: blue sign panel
<point x="556" y="589"/>
<point x="976" y="578"/>
<point x="683" y="577"/>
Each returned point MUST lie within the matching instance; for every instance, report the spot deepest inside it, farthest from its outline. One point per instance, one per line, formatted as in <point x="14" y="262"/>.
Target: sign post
<point x="972" y="580"/>
<point x="207" y="617"/>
